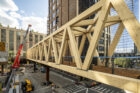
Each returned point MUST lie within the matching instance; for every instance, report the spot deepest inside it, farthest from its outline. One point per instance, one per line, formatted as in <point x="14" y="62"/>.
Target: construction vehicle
<point x="16" y="64"/>
<point x="27" y="86"/>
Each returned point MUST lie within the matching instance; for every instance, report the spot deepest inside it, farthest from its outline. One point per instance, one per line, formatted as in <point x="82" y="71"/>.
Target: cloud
<point x="33" y="14"/>
<point x="22" y="12"/>
<point x="38" y="23"/>
<point x="9" y="16"/>
<point x="7" y="5"/>
<point x="15" y="15"/>
<point x="6" y="20"/>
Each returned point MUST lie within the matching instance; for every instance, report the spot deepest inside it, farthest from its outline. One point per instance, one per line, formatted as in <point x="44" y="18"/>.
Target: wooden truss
<point x="56" y="44"/>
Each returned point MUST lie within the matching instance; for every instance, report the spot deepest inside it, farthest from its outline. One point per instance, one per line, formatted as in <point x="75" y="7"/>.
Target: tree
<point x="32" y="30"/>
<point x="0" y="25"/>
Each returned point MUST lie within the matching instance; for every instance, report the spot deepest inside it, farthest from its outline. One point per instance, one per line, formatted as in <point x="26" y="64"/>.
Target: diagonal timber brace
<point x="74" y="29"/>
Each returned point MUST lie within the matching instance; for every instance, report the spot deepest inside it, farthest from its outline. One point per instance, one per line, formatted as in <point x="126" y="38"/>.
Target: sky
<point x="20" y="13"/>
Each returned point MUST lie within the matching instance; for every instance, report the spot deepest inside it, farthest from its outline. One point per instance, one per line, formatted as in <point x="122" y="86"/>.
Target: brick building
<point x="62" y="11"/>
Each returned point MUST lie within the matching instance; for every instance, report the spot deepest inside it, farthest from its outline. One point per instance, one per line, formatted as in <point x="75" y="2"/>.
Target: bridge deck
<point x="91" y="29"/>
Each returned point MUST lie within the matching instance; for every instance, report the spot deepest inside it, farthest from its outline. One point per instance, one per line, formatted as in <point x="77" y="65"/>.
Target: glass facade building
<point x="126" y="44"/>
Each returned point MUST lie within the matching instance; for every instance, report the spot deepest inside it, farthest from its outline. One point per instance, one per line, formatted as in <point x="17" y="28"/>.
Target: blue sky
<point x="37" y="8"/>
<point x="20" y="13"/>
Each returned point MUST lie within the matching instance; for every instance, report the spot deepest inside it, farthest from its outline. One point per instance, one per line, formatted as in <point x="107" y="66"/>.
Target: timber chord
<point x="53" y="48"/>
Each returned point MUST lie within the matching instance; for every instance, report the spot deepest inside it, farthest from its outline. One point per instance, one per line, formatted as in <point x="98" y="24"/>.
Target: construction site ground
<point x="38" y="79"/>
<point x="127" y="72"/>
<point x="64" y="83"/>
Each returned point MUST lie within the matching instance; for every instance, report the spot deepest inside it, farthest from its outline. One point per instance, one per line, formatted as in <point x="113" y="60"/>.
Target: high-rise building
<point x="137" y="14"/>
<point x="126" y="45"/>
<point x="62" y="11"/>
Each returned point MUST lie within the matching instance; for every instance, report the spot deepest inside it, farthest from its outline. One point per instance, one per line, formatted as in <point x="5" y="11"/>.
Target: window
<point x="30" y="40"/>
<point x="106" y="29"/>
<point x="11" y="40"/>
<point x="3" y="35"/>
<point x="53" y="1"/>
<point x="101" y="41"/>
<point x="54" y="15"/>
<point x="101" y="48"/>
<point x="57" y="19"/>
<point x="41" y="37"/>
<point x="24" y="46"/>
<point x="107" y="36"/>
<point x="18" y="39"/>
<point x="50" y="12"/>
<point x="54" y="7"/>
<point x="91" y="2"/>
<point x="54" y="23"/>
<point x="57" y="27"/>
<point x="103" y="34"/>
<point x="57" y="2"/>
<point x="50" y="26"/>
<point x="53" y="29"/>
<point x="36" y="38"/>
<point x="57" y="10"/>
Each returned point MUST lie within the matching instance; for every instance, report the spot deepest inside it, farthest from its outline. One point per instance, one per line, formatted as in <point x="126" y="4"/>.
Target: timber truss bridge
<point x="53" y="48"/>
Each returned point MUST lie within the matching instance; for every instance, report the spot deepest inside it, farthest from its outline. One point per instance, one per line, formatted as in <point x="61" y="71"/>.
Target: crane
<point x="16" y="61"/>
<point x="16" y="64"/>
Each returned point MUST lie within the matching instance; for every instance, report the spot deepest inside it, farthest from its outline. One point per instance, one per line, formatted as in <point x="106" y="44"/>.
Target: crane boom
<point x="16" y="61"/>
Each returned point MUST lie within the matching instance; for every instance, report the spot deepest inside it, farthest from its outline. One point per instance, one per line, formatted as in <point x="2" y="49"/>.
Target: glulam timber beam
<point x="92" y="21"/>
<point x="54" y="47"/>
<point x="125" y="83"/>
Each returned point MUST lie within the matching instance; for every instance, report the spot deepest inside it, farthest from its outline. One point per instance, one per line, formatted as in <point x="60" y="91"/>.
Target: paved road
<point x="39" y="78"/>
<point x="65" y="85"/>
<point x="36" y="79"/>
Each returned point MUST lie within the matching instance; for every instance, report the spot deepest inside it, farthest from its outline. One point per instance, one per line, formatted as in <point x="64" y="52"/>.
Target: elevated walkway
<point x="52" y="49"/>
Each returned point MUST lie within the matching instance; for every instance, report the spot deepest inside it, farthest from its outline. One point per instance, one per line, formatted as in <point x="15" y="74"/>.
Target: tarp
<point x="3" y="52"/>
<point x="2" y="46"/>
